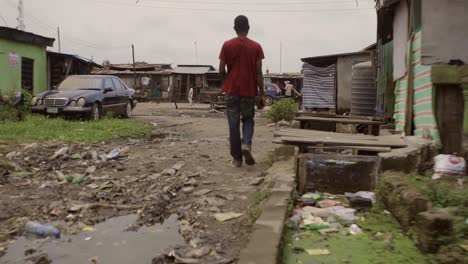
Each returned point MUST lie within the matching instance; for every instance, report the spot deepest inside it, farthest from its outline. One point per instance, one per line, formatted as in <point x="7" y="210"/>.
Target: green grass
<point x="41" y="128"/>
<point x="359" y="249"/>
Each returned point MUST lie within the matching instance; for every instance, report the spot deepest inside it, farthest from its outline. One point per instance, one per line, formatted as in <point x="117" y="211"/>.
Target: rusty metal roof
<point x="77" y="57"/>
<point x="26" y="37"/>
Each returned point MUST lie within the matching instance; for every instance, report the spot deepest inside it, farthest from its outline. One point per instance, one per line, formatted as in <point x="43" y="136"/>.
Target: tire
<point x="95" y="112"/>
<point x="128" y="110"/>
<point x="268" y="100"/>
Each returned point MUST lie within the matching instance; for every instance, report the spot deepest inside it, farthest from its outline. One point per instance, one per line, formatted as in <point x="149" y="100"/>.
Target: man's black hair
<point x="241" y="24"/>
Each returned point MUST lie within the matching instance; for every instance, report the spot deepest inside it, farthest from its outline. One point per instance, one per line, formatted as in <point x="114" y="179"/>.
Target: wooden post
<point x="410" y="90"/>
<point x="134" y="68"/>
<point x="58" y="38"/>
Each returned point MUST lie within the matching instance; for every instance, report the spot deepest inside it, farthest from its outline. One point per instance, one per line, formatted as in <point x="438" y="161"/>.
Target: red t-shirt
<point x="241" y="56"/>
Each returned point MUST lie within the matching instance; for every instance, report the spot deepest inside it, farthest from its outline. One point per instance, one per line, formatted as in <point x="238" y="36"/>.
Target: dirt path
<point x="182" y="170"/>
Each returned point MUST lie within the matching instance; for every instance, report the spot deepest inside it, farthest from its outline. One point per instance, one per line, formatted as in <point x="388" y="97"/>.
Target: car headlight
<point x="73" y="103"/>
<point x="39" y="102"/>
<point x="81" y="102"/>
<point x="34" y="100"/>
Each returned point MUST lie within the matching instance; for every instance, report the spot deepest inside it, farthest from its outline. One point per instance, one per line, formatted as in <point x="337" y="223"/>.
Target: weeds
<point x="41" y="128"/>
<point x="283" y="110"/>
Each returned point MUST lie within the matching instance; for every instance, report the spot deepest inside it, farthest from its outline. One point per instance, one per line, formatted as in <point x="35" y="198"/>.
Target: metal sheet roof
<point x="83" y="59"/>
<point x="192" y="69"/>
<point x="128" y="72"/>
<point x="292" y="75"/>
<point x="26" y="37"/>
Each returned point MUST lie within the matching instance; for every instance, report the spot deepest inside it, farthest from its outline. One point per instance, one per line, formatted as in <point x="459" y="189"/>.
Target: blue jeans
<point x="238" y="107"/>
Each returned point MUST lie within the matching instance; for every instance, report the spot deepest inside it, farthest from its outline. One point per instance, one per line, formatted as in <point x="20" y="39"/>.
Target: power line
<point x="232" y="10"/>
<point x="249" y="3"/>
<point x="73" y="40"/>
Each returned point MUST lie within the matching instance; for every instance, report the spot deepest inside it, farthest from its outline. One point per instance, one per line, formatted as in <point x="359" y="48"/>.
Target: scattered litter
<point x="326" y="231"/>
<point x="88" y="238"/>
<point x="223" y="217"/>
<point x="446" y="165"/>
<point x="327" y="203"/>
<point x="88" y="229"/>
<point x="56" y="212"/>
<point x="114" y="154"/>
<point x="361" y="199"/>
<point x="355" y="230"/>
<point x="318" y="252"/>
<point x="42" y="230"/>
<point x="59" y="153"/>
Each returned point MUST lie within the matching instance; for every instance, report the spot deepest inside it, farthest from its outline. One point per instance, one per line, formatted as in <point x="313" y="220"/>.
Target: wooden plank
<point x="315" y="133"/>
<point x="311" y="114"/>
<point x="340" y="142"/>
<point x="339" y="120"/>
<point x="369" y="149"/>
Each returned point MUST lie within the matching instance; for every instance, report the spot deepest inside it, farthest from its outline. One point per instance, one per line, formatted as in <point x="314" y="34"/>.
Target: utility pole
<point x="134" y="67"/>
<point x="196" y="51"/>
<point x="58" y="37"/>
<point x="21" y="25"/>
<point x="281" y="56"/>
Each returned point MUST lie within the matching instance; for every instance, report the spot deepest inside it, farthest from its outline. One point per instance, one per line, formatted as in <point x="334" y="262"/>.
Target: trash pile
<point x="326" y="213"/>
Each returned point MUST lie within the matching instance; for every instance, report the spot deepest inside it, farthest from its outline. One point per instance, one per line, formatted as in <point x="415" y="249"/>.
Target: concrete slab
<point x="265" y="241"/>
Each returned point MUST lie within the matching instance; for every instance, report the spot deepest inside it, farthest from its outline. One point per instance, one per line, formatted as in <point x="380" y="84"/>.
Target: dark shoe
<point x="236" y="163"/>
<point x="247" y="153"/>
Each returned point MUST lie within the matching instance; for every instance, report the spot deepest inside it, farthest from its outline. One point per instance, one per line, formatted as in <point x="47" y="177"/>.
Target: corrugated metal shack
<point x="192" y="76"/>
<point x="62" y="65"/>
<point x="342" y="84"/>
<point x="279" y="78"/>
<point x="422" y="51"/>
<point x="145" y="80"/>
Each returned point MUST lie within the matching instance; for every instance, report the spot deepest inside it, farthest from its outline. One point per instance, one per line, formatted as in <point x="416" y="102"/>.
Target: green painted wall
<point x="10" y="77"/>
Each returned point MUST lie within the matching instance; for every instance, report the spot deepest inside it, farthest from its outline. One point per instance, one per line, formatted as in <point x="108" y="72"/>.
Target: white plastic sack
<point x="448" y="165"/>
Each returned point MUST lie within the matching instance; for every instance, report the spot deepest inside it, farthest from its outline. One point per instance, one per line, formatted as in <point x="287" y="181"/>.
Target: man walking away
<point x="243" y="81"/>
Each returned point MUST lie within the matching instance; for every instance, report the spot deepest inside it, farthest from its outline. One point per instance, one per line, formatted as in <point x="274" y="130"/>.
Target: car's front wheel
<point x="95" y="112"/>
<point x="128" y="110"/>
<point x="268" y="100"/>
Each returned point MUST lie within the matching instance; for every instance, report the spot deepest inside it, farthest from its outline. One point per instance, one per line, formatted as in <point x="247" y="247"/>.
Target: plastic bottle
<point x="42" y="230"/>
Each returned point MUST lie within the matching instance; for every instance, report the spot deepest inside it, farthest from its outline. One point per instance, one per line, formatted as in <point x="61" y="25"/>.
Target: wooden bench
<point x="373" y="125"/>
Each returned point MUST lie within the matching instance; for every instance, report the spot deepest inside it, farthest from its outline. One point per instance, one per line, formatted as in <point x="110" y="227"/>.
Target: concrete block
<point x="433" y="229"/>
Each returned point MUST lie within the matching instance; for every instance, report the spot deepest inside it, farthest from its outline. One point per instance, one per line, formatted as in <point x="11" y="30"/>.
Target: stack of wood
<point x="330" y="140"/>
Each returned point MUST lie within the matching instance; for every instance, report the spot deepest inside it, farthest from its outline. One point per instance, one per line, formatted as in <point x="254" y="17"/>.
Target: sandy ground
<point x="183" y="169"/>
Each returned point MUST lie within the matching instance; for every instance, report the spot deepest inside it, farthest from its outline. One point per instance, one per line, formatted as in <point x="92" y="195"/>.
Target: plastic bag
<point x="445" y="165"/>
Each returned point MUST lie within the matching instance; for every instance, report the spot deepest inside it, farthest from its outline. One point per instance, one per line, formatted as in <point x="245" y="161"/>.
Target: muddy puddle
<point x="109" y="243"/>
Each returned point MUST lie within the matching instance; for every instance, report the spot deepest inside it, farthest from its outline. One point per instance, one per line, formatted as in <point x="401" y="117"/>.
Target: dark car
<point x="89" y="95"/>
<point x="272" y="93"/>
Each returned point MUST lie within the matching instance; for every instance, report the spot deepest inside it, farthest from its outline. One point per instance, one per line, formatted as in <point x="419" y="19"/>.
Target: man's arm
<point x="261" y="89"/>
<point x="222" y="69"/>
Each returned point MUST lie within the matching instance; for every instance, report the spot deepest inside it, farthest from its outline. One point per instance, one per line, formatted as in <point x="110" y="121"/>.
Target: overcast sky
<point x="164" y="31"/>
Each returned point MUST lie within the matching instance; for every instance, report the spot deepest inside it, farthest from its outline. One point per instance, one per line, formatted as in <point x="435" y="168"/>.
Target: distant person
<point x="190" y="96"/>
<point x="243" y="81"/>
<point x="288" y="89"/>
<point x="158" y="91"/>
